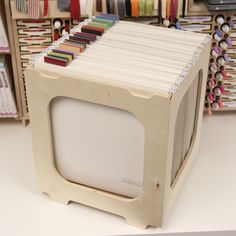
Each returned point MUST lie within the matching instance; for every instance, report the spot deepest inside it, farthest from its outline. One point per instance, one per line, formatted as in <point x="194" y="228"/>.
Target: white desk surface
<point x="206" y="202"/>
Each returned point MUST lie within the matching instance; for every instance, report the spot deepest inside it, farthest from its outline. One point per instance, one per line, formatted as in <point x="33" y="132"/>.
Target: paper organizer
<point x="118" y="127"/>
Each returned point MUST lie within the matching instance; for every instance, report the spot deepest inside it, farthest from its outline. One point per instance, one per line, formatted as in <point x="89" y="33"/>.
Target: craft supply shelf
<point x="21" y="56"/>
<point x="5" y="11"/>
<point x="23" y="49"/>
<point x="199" y="19"/>
<point x="53" y="11"/>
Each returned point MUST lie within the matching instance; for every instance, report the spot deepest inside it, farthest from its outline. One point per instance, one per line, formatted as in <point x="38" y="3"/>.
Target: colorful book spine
<point x="75" y="43"/>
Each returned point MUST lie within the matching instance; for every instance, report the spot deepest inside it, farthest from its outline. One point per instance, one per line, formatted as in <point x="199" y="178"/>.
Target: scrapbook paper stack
<point x="125" y="52"/>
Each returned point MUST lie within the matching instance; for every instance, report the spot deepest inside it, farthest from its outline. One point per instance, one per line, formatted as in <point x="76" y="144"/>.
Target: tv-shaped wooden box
<point x="118" y="128"/>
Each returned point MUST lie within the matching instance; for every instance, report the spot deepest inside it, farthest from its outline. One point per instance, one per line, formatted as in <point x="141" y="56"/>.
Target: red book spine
<point x="93" y="28"/>
<point x="55" y="61"/>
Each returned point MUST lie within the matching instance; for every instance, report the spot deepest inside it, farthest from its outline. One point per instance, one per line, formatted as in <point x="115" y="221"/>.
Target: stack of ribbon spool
<point x="32" y="7"/>
<point x="77" y="8"/>
<point x="128" y="8"/>
<point x="221" y="88"/>
<point x="218" y="79"/>
<point x="70" y="46"/>
<point x="164" y="9"/>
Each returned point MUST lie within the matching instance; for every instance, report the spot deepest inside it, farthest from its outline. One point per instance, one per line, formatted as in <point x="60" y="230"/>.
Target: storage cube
<point x="118" y="128"/>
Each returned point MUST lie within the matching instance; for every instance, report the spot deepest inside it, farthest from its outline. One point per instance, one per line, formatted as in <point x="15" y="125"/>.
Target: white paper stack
<point x="136" y="55"/>
<point x="7" y="100"/>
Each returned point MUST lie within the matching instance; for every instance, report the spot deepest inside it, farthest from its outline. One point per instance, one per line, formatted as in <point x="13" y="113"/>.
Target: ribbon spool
<point x="217" y="91"/>
<point x="212" y="69"/>
<point x="33" y="8"/>
<point x="210" y="97"/>
<point x="149" y="7"/>
<point x="45" y="8"/>
<point x="56" y="35"/>
<point x="99" y="5"/>
<point x="141" y="7"/>
<point x="230" y="22"/>
<point x="219" y="102"/>
<point x="21" y="5"/>
<point x="213" y="53"/>
<point x="207" y="107"/>
<point x="223" y="44"/>
<point x="216" y="37"/>
<point x="228" y="40"/>
<point x="75" y="9"/>
<point x="172" y="26"/>
<point x="223" y="72"/>
<point x="220" y="60"/>
<point x="225" y="55"/>
<point x="218" y="31"/>
<point x="178" y="26"/>
<point x="57" y="23"/>
<point x="211" y="82"/>
<point x="216" y="48"/>
<point x="128" y="7"/>
<point x="213" y="64"/>
<point x="225" y="28"/>
<point x="220" y="19"/>
<point x="214" y="105"/>
<point x="121" y="8"/>
<point x="219" y="76"/>
<point x="221" y="87"/>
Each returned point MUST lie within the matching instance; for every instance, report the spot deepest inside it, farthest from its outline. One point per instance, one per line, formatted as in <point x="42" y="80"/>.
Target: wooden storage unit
<point x="156" y="109"/>
<point x="198" y="9"/>
<point x="11" y="56"/>
<point x="199" y="19"/>
<point x="23" y="31"/>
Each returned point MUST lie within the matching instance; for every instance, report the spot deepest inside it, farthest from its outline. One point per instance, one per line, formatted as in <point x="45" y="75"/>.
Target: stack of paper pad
<point x="127" y="53"/>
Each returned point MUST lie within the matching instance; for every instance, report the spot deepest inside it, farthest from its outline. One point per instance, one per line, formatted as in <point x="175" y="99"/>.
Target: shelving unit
<point x="198" y="19"/>
<point x="197" y="8"/>
<point x="23" y="50"/>
<point x="5" y="10"/>
<point x="3" y="17"/>
<point x="9" y="59"/>
<point x="20" y="58"/>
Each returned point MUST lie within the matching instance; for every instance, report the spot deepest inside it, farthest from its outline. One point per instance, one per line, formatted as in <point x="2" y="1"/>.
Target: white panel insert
<point x="98" y="146"/>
